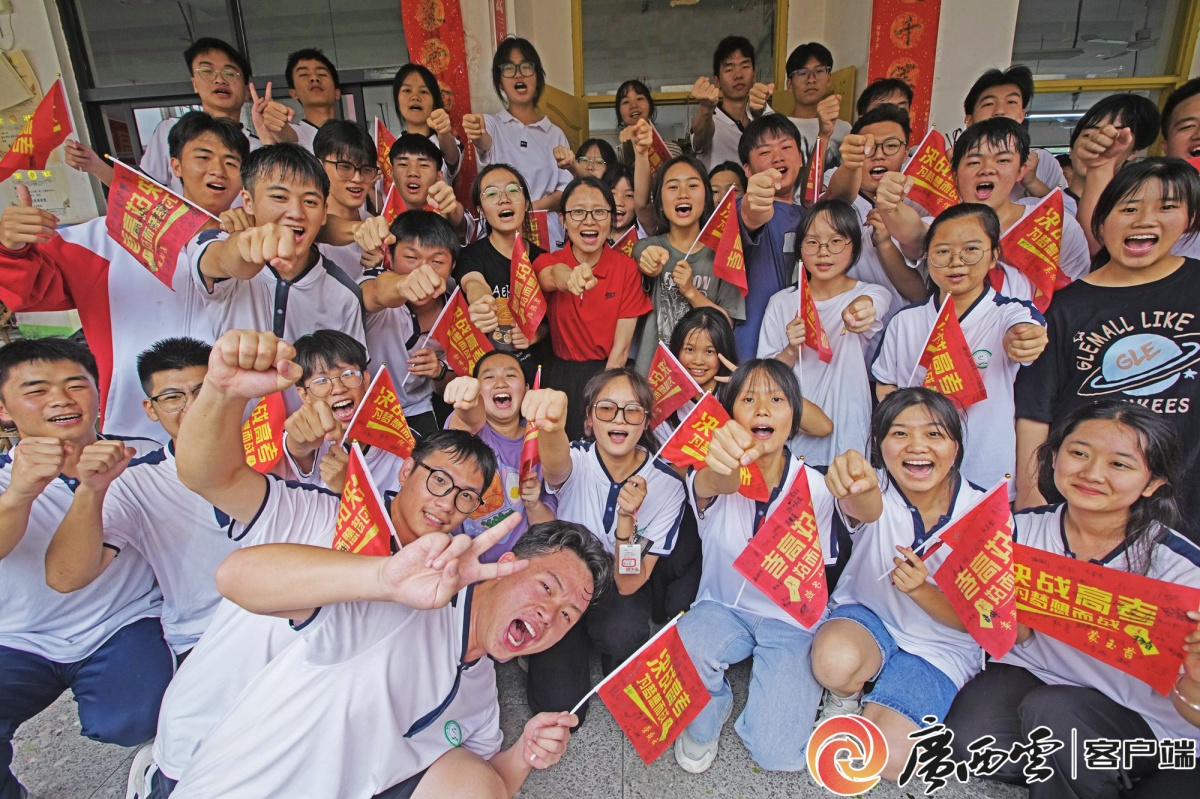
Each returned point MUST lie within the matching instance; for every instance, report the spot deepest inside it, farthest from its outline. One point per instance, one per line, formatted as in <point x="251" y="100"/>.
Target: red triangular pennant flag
<point x="379" y="421"/>
<point x="151" y="222"/>
<point x="1195" y="162"/>
<point x="624" y="244"/>
<point x="47" y="128"/>
<point x="658" y="153"/>
<point x="363" y="525"/>
<point x="933" y="185"/>
<point x="784" y="559"/>
<point x="536" y="229"/>
<point x="393" y="205"/>
<point x="977" y="576"/>
<point x="655" y="694"/>
<point x="814" y="331"/>
<point x="531" y="456"/>
<point x="462" y="341"/>
<point x="950" y="366"/>
<point x="673" y="385"/>
<point x="814" y="180"/>
<point x="262" y="433"/>
<point x="1033" y="245"/>
<point x="525" y="298"/>
<point x="1133" y="623"/>
<point x="383" y="149"/>
<point x="688" y="446"/>
<point x="722" y="235"/>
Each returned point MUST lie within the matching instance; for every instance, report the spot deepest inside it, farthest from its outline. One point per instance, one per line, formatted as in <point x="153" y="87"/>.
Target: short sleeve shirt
<point x="771" y="258"/>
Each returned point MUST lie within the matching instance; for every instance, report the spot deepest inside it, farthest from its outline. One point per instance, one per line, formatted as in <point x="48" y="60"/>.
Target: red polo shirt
<point x="582" y="328"/>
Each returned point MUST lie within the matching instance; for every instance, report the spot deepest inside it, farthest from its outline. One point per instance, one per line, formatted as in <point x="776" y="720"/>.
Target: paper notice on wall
<point x="50" y="187"/>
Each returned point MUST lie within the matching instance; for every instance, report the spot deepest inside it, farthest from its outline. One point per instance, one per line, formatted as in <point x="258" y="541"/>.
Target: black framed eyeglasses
<point x="606" y="411"/>
<point x="345" y="170"/>
<point x="439" y="483"/>
<point x="580" y="214"/>
<point x="891" y="146"/>
<point x="321" y="386"/>
<point x="175" y="401"/>
<point x="525" y="68"/>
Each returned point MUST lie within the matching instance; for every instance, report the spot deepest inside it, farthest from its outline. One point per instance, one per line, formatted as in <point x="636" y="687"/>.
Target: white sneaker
<point x="696" y="758"/>
<point x="138" y="786"/>
<point x="834" y="705"/>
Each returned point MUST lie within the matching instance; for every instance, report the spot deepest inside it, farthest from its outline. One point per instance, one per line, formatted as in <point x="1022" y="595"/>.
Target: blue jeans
<point x="777" y="719"/>
<point x="118" y="690"/>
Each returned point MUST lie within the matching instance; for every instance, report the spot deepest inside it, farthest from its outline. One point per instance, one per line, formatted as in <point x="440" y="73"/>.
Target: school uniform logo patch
<point x="453" y="733"/>
<point x="982" y="358"/>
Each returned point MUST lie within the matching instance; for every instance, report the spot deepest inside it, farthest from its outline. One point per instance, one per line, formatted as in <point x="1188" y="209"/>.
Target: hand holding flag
<point x="531" y="456"/>
<point x="933" y="182"/>
<point x="814" y="331"/>
<point x="691" y="445"/>
<point x="379" y="419"/>
<point x="624" y="243"/>
<point x="393" y="205"/>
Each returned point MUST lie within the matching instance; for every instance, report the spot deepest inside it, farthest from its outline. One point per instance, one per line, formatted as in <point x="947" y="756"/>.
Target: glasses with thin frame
<point x="209" y="75"/>
<point x="815" y="72"/>
<point x="583" y="159"/>
<point x="492" y="194"/>
<point x="346" y="170"/>
<point x="834" y="245"/>
<point x="606" y="411"/>
<point x="175" y="401"/>
<point x="439" y="483"/>
<point x="970" y="255"/>
<point x="322" y="386"/>
<point x="525" y="69"/>
<point x="580" y="214"/>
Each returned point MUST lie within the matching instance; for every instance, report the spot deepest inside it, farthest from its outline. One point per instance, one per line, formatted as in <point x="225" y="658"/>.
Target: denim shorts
<point x="905" y="683"/>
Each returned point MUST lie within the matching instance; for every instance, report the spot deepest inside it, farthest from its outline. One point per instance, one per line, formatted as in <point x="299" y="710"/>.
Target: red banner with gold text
<point x="363" y="525"/>
<point x="262" y="433"/>
<point x="904" y="37"/>
<point x="688" y="446"/>
<point x="379" y="421"/>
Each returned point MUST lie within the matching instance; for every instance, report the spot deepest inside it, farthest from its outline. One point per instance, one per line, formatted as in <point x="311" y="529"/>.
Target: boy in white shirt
<point x="815" y="114"/>
<point x="348" y="156"/>
<point x="313" y="81"/>
<point x="727" y="102"/>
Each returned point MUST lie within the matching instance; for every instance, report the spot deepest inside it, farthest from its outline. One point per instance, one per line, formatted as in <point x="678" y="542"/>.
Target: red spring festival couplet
<point x="1135" y="624"/>
<point x="688" y="446"/>
<point x="262" y="433"/>
<point x="784" y="559"/>
<point x="379" y="420"/>
<point x="383" y="148"/>
<point x="46" y="128"/>
<point x="1033" y="245"/>
<point x="655" y="695"/>
<point x="722" y="235"/>
<point x="933" y="182"/>
<point x="950" y="366"/>
<point x="904" y="36"/>
<point x="152" y="223"/>
<point x="977" y="576"/>
<point x="526" y="302"/>
<point x="363" y="525"/>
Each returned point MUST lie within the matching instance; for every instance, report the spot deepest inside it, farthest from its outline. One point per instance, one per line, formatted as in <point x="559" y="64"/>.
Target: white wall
<point x="547" y="23"/>
<point x="972" y="37"/>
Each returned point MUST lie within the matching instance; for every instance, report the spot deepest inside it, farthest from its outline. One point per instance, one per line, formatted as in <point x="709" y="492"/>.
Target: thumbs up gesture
<point x="267" y="113"/>
<point x="22" y="224"/>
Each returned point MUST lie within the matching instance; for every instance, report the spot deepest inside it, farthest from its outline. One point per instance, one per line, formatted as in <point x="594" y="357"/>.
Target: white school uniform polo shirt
<point x="374" y="693"/>
<point x="869" y="268"/>
<point x="306" y="133"/>
<point x="321" y="297"/>
<point x="589" y="497"/>
<point x="990" y="445"/>
<point x="66" y="628"/>
<point x="726" y="135"/>
<point x="1173" y="558"/>
<point x="392" y="333"/>
<point x="530" y="149"/>
<point x="238" y="644"/>
<point x="383" y="465"/>
<point x="156" y="158"/>
<point x="954" y="653"/>
<point x="1187" y="246"/>
<point x="841" y="387"/>
<point x="731" y="520"/>
<point x="181" y="536"/>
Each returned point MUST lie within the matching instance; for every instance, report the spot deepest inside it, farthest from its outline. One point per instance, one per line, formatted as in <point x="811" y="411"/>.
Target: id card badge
<point x="630" y="558"/>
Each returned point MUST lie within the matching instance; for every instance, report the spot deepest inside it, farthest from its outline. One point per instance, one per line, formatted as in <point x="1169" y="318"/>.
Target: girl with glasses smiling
<point x="613" y="485"/>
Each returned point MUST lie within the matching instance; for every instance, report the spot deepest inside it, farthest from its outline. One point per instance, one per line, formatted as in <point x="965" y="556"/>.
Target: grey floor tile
<point x="54" y="762"/>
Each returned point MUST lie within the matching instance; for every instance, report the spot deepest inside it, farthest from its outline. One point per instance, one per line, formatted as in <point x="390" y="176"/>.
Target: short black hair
<point x="528" y="53"/>
<point x="634" y="86"/>
<point x="477" y="183"/>
<point x="884" y="113"/>
<point x="716" y="325"/>
<point x="593" y="182"/>
<point x="660" y="217"/>
<point x="310" y="54"/>
<point x="547" y="538"/>
<point x="430" y="83"/>
<point x="475" y="370"/>
<point x="727" y="47"/>
<point x="1125" y="110"/>
<point x="984" y="213"/>
<point x="416" y="145"/>
<point x="805" y="53"/>
<point x="943" y="410"/>
<point x="884" y="87"/>
<point x="170" y="354"/>
<point x="46" y="350"/>
<point x="729" y="166"/>
<point x="842" y="218"/>
<point x="996" y="132"/>
<point x="425" y="229"/>
<point x="775" y="371"/>
<point x="461" y="446"/>
<point x="615" y="173"/>
<point x="1184" y="92"/>
<point x="327" y="347"/>
<point x="342" y="139"/>
<point x="208" y="44"/>
<point x="1179" y="180"/>
<point x="763" y="127"/>
<point x="195" y="124"/>
<point x="289" y="161"/>
<point x="1018" y="75"/>
<point x="606" y="150"/>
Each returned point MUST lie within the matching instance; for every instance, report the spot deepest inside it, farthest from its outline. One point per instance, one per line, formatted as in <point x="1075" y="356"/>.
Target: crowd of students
<point x="185" y="598"/>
